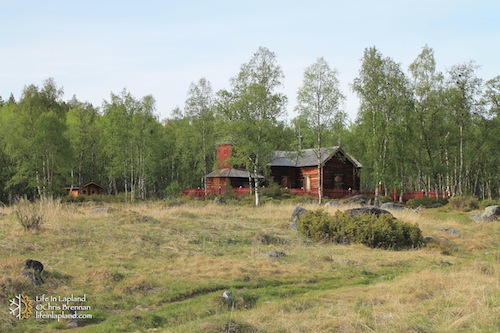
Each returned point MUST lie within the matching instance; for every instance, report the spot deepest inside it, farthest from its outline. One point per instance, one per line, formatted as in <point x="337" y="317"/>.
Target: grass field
<point x="152" y="267"/>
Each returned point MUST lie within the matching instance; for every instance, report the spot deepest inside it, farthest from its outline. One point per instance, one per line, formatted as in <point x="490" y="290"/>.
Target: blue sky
<point x="92" y="48"/>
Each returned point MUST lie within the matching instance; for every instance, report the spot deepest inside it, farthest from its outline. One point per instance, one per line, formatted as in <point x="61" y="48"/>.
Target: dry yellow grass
<point x="177" y="261"/>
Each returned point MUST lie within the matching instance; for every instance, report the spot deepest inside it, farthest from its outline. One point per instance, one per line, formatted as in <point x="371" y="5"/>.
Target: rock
<point x="142" y="308"/>
<point x="73" y="323"/>
<point x="34" y="277"/>
<point x="435" y="205"/>
<point x="227" y="295"/>
<point x="276" y="254"/>
<point x="477" y="217"/>
<point x="220" y="201"/>
<point x="297" y="213"/>
<point x="367" y="211"/>
<point x="434" y="240"/>
<point x="450" y="231"/>
<point x="270" y="240"/>
<point x="100" y="210"/>
<point x="392" y="206"/>
<point x="358" y="199"/>
<point x="294" y="225"/>
<point x="491" y="213"/>
<point x="333" y="203"/>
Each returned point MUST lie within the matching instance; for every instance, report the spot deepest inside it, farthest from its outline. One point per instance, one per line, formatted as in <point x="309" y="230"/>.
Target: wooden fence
<point x="327" y="193"/>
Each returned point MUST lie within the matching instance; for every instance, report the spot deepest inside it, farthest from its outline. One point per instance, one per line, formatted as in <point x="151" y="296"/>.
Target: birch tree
<point x="385" y="103"/>
<point x="199" y="109"/>
<point x="318" y="101"/>
<point x="251" y="111"/>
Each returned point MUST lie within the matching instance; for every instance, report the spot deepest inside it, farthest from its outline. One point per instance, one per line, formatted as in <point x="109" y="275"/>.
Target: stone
<point x="294" y="225"/>
<point x="220" y="201"/>
<point x="333" y="203"/>
<point x="100" y="210"/>
<point x="34" y="277"/>
<point x="297" y="213"/>
<point x="434" y="240"/>
<point x="367" y="211"/>
<point x="142" y="308"/>
<point x="392" y="206"/>
<point x="491" y="213"/>
<point x="450" y="231"/>
<point x="478" y="217"/>
<point x="358" y="199"/>
<point x="435" y="205"/>
<point x="276" y="254"/>
<point x="270" y="240"/>
<point x="73" y="323"/>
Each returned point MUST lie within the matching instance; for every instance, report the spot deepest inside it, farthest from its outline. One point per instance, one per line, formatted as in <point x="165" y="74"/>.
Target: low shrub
<point x="376" y="232"/>
<point x="426" y="202"/>
<point x="464" y="203"/>
<point x="31" y="215"/>
<point x="489" y="202"/>
<point x="276" y="192"/>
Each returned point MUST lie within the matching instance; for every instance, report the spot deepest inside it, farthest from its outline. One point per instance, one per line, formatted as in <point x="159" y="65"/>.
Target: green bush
<point x="489" y="202"/>
<point x="276" y="192"/>
<point x="426" y="202"/>
<point x="464" y="203"/>
<point x="376" y="232"/>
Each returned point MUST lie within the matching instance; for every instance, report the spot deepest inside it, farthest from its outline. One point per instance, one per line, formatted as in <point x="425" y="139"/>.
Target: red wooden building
<point x="226" y="176"/>
<point x="298" y="171"/>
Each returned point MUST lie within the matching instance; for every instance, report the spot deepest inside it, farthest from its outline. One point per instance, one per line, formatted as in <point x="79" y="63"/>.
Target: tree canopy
<point x="416" y="129"/>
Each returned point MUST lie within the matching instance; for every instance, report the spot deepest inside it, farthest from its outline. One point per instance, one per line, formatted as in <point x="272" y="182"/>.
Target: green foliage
<point x="173" y="190"/>
<point x="426" y="202"/>
<point x="276" y="192"/>
<point x="464" y="203"/>
<point x="376" y="232"/>
<point x="488" y="202"/>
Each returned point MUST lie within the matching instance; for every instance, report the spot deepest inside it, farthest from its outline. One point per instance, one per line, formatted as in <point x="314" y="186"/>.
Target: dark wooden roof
<point x="92" y="183"/>
<point x="307" y="157"/>
<point x="231" y="173"/>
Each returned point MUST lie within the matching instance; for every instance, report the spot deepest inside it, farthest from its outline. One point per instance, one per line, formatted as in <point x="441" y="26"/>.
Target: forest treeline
<point x="416" y="129"/>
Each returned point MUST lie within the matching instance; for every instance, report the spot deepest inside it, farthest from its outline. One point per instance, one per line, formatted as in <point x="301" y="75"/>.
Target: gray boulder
<point x="450" y="231"/>
<point x="491" y="213"/>
<point x="367" y="211"/>
<point x="392" y="206"/>
<point x="297" y="213"/>
<point x="333" y="203"/>
<point x="358" y="200"/>
<point x="435" y="205"/>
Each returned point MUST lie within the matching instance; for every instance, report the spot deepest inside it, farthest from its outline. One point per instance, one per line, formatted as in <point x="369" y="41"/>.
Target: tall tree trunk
<point x="257" y="184"/>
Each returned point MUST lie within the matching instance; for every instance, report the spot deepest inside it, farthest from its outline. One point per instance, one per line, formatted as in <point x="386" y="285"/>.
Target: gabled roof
<point x="231" y="173"/>
<point x="92" y="183"/>
<point x="307" y="157"/>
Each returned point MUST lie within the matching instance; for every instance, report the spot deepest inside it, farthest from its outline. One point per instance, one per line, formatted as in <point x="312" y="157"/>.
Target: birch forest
<point x="416" y="129"/>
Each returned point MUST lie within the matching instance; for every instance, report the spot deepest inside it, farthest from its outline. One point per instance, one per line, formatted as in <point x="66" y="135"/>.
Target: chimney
<point x="223" y="153"/>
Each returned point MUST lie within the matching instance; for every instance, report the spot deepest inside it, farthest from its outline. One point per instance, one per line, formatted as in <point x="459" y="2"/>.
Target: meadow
<point x="162" y="267"/>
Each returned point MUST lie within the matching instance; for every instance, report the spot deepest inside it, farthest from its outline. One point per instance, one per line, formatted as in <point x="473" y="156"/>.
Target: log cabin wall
<point x="340" y="174"/>
<point x="287" y="177"/>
